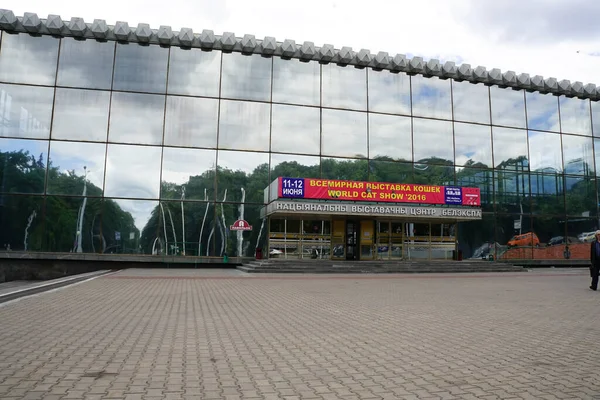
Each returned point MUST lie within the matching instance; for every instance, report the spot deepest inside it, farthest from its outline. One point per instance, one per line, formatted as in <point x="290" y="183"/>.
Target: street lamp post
<point x="79" y="236"/>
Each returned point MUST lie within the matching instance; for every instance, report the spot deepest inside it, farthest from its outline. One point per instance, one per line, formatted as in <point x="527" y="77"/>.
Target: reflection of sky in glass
<point x="136" y="118"/>
<point x="344" y="87"/>
<point x="596" y="117"/>
<point x="191" y="122"/>
<point x="509" y="144"/>
<point x="307" y="161"/>
<point x="296" y="82"/>
<point x="295" y="129"/>
<point x="542" y="112"/>
<point x="597" y="154"/>
<point x="575" y="116"/>
<point x="246" y="77"/>
<point x="546" y="185"/>
<point x="86" y="63"/>
<point x="578" y="155"/>
<point x="34" y="147"/>
<point x="181" y="164"/>
<point x="473" y="143"/>
<point x="132" y="171"/>
<point x="344" y="133"/>
<point x="28" y="59"/>
<point x="244" y="125"/>
<point x="81" y="114"/>
<point x="389" y="92"/>
<point x="432" y="139"/>
<point x="508" y="107"/>
<point x="390" y="136"/>
<point x="241" y="160"/>
<point x="140" y="210"/>
<point x="73" y="156"/>
<point x="141" y="68"/>
<point x="194" y="72"/>
<point x="431" y="97"/>
<point x="471" y="102"/>
<point x="545" y="151"/>
<point x="25" y="111"/>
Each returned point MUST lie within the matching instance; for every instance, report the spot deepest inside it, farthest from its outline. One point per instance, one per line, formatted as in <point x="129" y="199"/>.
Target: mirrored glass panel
<point x="246" y="77"/>
<point x="430" y="174"/>
<point x="141" y="68"/>
<point x="575" y="116"/>
<point x="471" y="102"/>
<point x="288" y="165"/>
<point x="476" y="239"/>
<point x="296" y="129"/>
<point x="23" y="165"/>
<point x="26" y="111"/>
<point x="64" y="216"/>
<point x="188" y="174"/>
<point x="580" y="195"/>
<point x="510" y="148"/>
<point x="545" y="154"/>
<point x="81" y="115"/>
<point x="127" y="226"/>
<point x="508" y="107"/>
<point x="242" y="176"/>
<point x="473" y="145"/>
<point x="389" y="92"/>
<point x="244" y="125"/>
<point x="296" y="82"/>
<point x="511" y="190"/>
<point x="344" y="87"/>
<point x="239" y="243"/>
<point x="390" y="136"/>
<point x="478" y="178"/>
<point x="580" y="231"/>
<point x="191" y="122"/>
<point x="28" y="59"/>
<point x="86" y="63"/>
<point x="136" y="118"/>
<point x="132" y="171"/>
<point x="194" y="72"/>
<point x="431" y="97"/>
<point x="76" y="169"/>
<point x="596" y="118"/>
<point x="344" y="133"/>
<point x="433" y="141"/>
<point x="14" y="236"/>
<point x="509" y="246"/>
<point x="597" y="155"/>
<point x="344" y="169"/>
<point x="578" y="155"/>
<point x="390" y="171"/>
<point x="542" y="112"/>
<point x="547" y="193"/>
<point x="549" y="240"/>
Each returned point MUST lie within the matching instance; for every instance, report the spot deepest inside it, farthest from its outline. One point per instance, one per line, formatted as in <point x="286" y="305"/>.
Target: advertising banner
<point x="328" y="189"/>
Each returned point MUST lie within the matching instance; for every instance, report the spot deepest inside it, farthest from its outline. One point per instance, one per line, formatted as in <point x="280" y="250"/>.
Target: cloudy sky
<point x="558" y="38"/>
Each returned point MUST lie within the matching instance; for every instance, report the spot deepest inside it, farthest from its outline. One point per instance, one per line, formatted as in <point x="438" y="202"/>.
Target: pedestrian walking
<point x="595" y="261"/>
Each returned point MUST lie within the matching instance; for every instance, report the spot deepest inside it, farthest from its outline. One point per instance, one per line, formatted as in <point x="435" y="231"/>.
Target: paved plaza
<point x="223" y="334"/>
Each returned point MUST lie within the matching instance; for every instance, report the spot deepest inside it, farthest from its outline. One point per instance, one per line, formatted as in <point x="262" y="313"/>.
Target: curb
<point x="49" y="285"/>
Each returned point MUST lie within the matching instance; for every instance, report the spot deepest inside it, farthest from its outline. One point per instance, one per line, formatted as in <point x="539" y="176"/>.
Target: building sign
<point x="240" y="225"/>
<point x="373" y="210"/>
<point x="327" y="189"/>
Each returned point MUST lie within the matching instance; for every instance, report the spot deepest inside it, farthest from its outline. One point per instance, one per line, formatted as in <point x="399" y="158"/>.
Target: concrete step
<point x="382" y="268"/>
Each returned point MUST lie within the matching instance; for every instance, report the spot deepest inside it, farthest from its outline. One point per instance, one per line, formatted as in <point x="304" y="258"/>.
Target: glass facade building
<point x="114" y="146"/>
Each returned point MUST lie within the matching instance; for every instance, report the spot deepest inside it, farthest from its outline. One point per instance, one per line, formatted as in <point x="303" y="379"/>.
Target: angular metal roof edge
<point x="307" y="51"/>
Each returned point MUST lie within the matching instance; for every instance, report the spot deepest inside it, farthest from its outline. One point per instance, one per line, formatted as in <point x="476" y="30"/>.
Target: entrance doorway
<point x="351" y="243"/>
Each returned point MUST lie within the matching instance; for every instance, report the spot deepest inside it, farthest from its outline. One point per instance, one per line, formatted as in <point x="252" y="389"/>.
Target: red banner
<point x="327" y="189"/>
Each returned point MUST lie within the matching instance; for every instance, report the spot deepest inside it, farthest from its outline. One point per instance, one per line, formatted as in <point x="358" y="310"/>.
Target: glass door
<point x="367" y="240"/>
<point x="383" y="240"/>
<point x="338" y="240"/>
<point x="351" y="242"/>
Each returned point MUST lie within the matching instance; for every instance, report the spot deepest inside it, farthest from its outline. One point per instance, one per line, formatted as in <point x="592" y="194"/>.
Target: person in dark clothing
<point x="595" y="261"/>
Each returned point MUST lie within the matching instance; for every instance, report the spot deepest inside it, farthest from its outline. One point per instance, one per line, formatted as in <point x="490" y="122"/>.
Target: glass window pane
<point x="344" y="133"/>
<point x="26" y="111"/>
<point x="510" y="148"/>
<point x="244" y="125"/>
<point x="545" y="154"/>
<point x="28" y="59"/>
<point x="141" y="68"/>
<point x="596" y="118"/>
<point x="344" y="87"/>
<point x="511" y="189"/>
<point x="75" y="167"/>
<point x="479" y="178"/>
<point x="390" y="171"/>
<point x="597" y="156"/>
<point x="580" y="195"/>
<point x="508" y="107"/>
<point x="127" y="227"/>
<point x="344" y="169"/>
<point x="132" y="171"/>
<point x="296" y="82"/>
<point x="242" y="172"/>
<point x="23" y="165"/>
<point x="86" y="63"/>
<point x="191" y="122"/>
<point x="188" y="172"/>
<point x="194" y="72"/>
<point x="296" y="129"/>
<point x="389" y="92"/>
<point x="430" y="174"/>
<point x="542" y="112"/>
<point x="547" y="193"/>
<point x="15" y="210"/>
<point x="246" y="77"/>
<point x="136" y="118"/>
<point x="433" y="141"/>
<point x="431" y="97"/>
<point x="293" y="166"/>
<point x="390" y="136"/>
<point x="81" y="114"/>
<point x="578" y="155"/>
<point x="575" y="116"/>
<point x="471" y="102"/>
<point x="473" y="145"/>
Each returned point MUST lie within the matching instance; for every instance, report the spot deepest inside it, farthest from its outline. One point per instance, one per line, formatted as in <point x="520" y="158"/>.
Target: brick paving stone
<point x="181" y="334"/>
